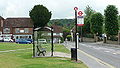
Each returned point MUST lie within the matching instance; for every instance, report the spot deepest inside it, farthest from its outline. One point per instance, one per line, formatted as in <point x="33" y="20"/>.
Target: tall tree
<point x="88" y="12"/>
<point x="119" y="21"/>
<point x="96" y="24"/>
<point x="40" y="15"/>
<point x="111" y="20"/>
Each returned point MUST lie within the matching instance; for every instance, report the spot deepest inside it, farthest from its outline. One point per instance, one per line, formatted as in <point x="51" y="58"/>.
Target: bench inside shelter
<point x="40" y="50"/>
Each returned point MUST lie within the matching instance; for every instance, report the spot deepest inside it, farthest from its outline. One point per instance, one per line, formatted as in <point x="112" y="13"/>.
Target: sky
<point x="60" y="8"/>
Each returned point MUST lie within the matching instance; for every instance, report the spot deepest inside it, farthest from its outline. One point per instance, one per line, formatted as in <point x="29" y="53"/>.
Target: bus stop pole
<point x="76" y="33"/>
<point x="52" y="41"/>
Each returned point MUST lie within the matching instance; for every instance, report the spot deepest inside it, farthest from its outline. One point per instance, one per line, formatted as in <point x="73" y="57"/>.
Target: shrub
<point x="69" y="37"/>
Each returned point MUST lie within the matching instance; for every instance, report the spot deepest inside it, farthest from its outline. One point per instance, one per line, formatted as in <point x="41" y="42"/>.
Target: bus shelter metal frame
<point x="35" y="33"/>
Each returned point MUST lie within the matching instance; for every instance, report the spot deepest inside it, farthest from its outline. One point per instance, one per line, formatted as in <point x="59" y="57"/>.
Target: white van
<point x="8" y="40"/>
<point x="42" y="41"/>
<point x="1" y="39"/>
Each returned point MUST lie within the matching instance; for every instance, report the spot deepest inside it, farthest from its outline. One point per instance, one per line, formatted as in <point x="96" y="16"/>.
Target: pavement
<point x="48" y="54"/>
<point x="14" y="50"/>
<point x="105" y="44"/>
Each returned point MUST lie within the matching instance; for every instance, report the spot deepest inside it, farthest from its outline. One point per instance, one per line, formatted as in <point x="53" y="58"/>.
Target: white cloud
<point x="59" y="8"/>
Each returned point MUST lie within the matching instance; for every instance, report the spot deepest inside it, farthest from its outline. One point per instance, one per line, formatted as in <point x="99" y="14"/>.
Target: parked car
<point x="7" y="40"/>
<point x="42" y="41"/>
<point x="1" y="39"/>
<point x="23" y="41"/>
<point x="28" y="39"/>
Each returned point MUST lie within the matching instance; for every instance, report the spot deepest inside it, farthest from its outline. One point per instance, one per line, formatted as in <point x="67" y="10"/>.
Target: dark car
<point x="22" y="41"/>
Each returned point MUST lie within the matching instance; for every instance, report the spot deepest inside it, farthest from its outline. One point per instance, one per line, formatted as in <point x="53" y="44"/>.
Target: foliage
<point x="119" y="21"/>
<point x="58" y="24"/>
<point x="66" y="23"/>
<point x="88" y="12"/>
<point x="65" y="33"/>
<point x="89" y="35"/>
<point x="111" y="20"/>
<point x="113" y="38"/>
<point x="69" y="37"/>
<point x="62" y="39"/>
<point x="86" y="27"/>
<point x="96" y="23"/>
<point x="39" y="34"/>
<point x="40" y="15"/>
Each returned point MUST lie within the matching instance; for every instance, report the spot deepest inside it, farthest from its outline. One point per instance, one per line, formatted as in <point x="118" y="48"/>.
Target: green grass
<point x="57" y="47"/>
<point x="13" y="46"/>
<point x="23" y="58"/>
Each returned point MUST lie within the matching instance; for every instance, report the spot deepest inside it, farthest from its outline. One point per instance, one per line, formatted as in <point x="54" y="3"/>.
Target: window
<point x="30" y="37"/>
<point x="49" y="34"/>
<point x="54" y="33"/>
<point x="17" y="30"/>
<point x="6" y="30"/>
<point x="57" y="33"/>
<point x="22" y="31"/>
<point x="26" y="30"/>
<point x="17" y="37"/>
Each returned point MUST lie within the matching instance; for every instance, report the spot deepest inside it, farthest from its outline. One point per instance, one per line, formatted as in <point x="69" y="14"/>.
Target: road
<point x="108" y="56"/>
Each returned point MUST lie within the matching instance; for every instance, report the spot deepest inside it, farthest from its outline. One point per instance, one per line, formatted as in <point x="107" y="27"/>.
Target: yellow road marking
<point x="98" y="60"/>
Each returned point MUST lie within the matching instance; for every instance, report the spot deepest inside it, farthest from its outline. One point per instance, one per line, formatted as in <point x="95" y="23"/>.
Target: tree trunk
<point x="119" y="38"/>
<point x="95" y="38"/>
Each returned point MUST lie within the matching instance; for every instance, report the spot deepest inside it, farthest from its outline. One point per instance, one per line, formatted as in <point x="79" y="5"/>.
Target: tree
<point x="119" y="21"/>
<point x="65" y="33"/>
<point x="96" y="24"/>
<point x="40" y="15"/>
<point x="86" y="27"/>
<point x="111" y="20"/>
<point x="88" y="12"/>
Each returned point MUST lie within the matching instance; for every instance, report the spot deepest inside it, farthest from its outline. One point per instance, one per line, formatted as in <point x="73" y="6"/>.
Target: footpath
<point x="105" y="44"/>
<point x="56" y="54"/>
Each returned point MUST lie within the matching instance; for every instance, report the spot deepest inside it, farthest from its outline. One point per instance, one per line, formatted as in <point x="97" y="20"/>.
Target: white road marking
<point x="106" y="51"/>
<point x="98" y="60"/>
<point x="114" y="53"/>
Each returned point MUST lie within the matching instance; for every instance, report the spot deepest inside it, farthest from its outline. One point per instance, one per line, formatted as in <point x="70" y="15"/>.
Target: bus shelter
<point x="37" y="46"/>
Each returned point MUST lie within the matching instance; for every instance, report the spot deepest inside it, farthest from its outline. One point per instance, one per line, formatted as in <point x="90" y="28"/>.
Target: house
<point x="1" y="27"/>
<point x="57" y="33"/>
<point x="16" y="28"/>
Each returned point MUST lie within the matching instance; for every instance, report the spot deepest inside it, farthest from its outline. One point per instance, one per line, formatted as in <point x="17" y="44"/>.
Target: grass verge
<point x="23" y="58"/>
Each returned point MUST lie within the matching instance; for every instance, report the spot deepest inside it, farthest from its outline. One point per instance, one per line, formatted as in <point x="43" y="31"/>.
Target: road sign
<point x="80" y="21"/>
<point x="75" y="8"/>
<point x="80" y="13"/>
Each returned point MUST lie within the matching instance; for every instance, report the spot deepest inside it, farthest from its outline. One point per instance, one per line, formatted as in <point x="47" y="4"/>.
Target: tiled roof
<point x="1" y="17"/>
<point x="18" y="22"/>
<point x="57" y="29"/>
